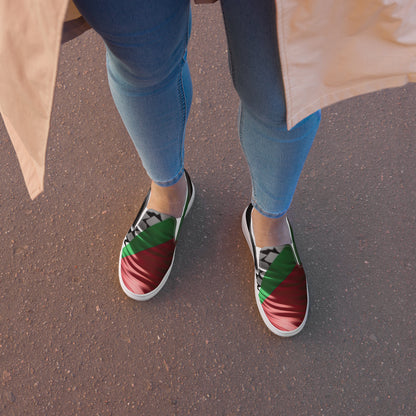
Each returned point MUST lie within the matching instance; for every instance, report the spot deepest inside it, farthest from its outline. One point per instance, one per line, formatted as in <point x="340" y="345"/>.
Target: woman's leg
<point x="275" y="155"/>
<point x="150" y="82"/>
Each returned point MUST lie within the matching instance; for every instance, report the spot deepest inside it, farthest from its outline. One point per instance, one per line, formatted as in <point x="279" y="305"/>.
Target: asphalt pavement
<point x="71" y="343"/>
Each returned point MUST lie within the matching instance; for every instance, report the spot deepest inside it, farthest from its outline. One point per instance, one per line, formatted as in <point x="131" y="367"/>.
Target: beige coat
<point x="330" y="50"/>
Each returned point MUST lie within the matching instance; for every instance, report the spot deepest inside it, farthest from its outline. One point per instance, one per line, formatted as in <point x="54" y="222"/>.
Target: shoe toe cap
<point x="286" y="307"/>
<point x="144" y="271"/>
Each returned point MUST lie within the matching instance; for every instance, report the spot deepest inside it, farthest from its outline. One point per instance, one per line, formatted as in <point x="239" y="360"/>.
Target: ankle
<point x="169" y="200"/>
<point x="270" y="232"/>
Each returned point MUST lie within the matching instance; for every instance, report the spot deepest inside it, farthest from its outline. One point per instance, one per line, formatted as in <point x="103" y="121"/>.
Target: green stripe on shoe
<point x="282" y="266"/>
<point x="151" y="237"/>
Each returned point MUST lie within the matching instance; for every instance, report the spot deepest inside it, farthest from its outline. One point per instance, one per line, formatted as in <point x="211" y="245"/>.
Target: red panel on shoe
<point x="286" y="306"/>
<point x="142" y="272"/>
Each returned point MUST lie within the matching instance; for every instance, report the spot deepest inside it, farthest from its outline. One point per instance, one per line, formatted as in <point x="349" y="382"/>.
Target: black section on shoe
<point x="253" y="246"/>
<point x="151" y="216"/>
<point x="190" y="189"/>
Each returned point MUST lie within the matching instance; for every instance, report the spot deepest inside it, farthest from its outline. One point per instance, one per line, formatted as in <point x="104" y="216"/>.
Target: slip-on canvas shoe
<point x="280" y="285"/>
<point x="148" y="250"/>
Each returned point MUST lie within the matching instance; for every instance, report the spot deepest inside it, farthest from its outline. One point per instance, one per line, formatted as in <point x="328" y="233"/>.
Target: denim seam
<point x="240" y="132"/>
<point x="253" y="185"/>
<point x="183" y="104"/>
<point x="183" y="109"/>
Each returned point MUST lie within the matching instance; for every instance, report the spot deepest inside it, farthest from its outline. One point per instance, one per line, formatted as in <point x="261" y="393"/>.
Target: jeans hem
<point x="172" y="181"/>
<point x="265" y="213"/>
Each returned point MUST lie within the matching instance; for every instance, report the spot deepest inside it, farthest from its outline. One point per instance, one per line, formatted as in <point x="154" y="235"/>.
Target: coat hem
<point x="349" y="92"/>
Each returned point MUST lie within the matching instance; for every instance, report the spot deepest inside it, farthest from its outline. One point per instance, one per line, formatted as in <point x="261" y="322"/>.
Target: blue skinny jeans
<point x="149" y="78"/>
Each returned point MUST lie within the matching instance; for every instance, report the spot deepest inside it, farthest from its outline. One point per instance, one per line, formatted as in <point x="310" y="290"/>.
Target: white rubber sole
<point x="154" y="292"/>
<point x="269" y="325"/>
